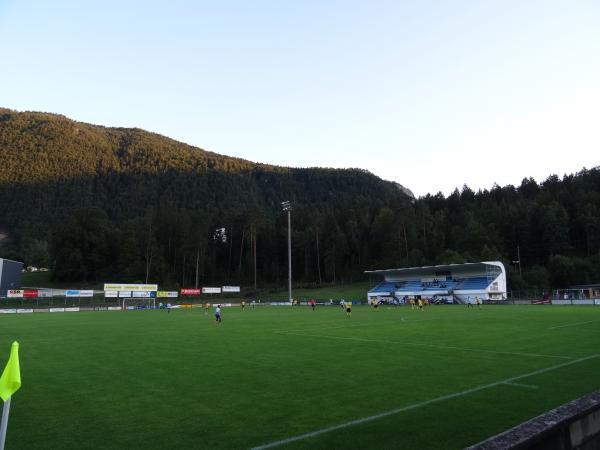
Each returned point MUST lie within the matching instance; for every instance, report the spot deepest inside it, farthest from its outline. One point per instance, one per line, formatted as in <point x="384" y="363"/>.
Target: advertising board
<point x="188" y="291"/>
<point x="231" y="289"/>
<point x="130" y="287"/>
<point x="211" y="290"/>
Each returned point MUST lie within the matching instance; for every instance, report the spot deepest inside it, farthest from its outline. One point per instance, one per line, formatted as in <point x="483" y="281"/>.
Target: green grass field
<point x="448" y="376"/>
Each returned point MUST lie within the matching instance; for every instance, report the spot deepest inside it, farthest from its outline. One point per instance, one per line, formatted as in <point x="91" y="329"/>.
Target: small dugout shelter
<point x="450" y="283"/>
<point x="10" y="275"/>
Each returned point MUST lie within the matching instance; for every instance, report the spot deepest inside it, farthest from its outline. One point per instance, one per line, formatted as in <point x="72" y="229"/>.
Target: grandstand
<point x="452" y="283"/>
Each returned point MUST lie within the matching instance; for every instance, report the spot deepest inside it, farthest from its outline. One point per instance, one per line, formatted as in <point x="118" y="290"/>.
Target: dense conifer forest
<point x="96" y="203"/>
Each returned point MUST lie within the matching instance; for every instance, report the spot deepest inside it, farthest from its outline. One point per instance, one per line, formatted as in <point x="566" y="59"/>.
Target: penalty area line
<point x="418" y="405"/>
<point x="418" y="344"/>
<point x="572" y="324"/>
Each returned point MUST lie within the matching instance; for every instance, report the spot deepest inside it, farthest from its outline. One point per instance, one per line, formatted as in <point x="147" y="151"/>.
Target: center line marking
<point x="418" y="405"/>
<point x="529" y="386"/>
<point x="416" y="344"/>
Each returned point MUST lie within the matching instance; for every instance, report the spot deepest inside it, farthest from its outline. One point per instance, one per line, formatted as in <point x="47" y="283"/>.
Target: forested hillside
<point x="98" y="203"/>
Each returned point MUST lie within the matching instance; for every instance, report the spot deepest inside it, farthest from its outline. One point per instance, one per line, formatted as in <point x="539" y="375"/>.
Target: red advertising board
<point x="191" y="292"/>
<point x="30" y="293"/>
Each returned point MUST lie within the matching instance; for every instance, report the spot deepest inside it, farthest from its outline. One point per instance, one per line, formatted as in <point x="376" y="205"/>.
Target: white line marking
<point x="323" y="328"/>
<point x="529" y="386"/>
<point x="417" y="344"/>
<point x="418" y="405"/>
<point x="572" y="324"/>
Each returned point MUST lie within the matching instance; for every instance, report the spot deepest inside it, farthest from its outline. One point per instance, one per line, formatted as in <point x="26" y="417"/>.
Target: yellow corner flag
<point x="10" y="381"/>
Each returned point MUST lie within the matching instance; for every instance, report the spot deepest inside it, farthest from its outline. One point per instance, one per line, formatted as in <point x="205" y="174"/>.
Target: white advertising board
<point x="15" y="293"/>
<point x="583" y="302"/>
<point x="211" y="290"/>
<point x="24" y="311"/>
<point x="231" y="289"/>
<point x="8" y="311"/>
<point x="111" y="294"/>
<point x="124" y="293"/>
<point x="141" y="294"/>
<point x="79" y="293"/>
<point x="57" y="310"/>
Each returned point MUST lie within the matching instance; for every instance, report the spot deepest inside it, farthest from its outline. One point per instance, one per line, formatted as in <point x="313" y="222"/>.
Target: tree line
<point x="97" y="204"/>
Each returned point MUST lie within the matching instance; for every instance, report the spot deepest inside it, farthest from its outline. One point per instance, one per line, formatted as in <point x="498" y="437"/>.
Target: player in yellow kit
<point x="349" y="308"/>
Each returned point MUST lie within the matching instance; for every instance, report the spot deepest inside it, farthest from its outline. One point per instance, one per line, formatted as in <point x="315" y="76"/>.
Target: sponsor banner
<point x="111" y="294"/>
<point x="86" y="293"/>
<point x="124" y="293"/>
<point x="15" y="293"/>
<point x="75" y="309"/>
<point x="597" y="301"/>
<point x="45" y="293"/>
<point x="30" y="293"/>
<point x="131" y="307"/>
<point x="141" y="294"/>
<point x="167" y="294"/>
<point x="114" y="308"/>
<point x="72" y="293"/>
<point x="8" y="311"/>
<point x="24" y="311"/>
<point x="186" y="305"/>
<point x="583" y="302"/>
<point x="101" y="308"/>
<point x="561" y="302"/>
<point x="231" y="289"/>
<point x="130" y="287"/>
<point x="57" y="310"/>
<point x="191" y="291"/>
<point x="211" y="290"/>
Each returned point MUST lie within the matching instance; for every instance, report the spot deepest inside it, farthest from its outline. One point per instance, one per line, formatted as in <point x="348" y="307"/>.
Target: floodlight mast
<point x="286" y="206"/>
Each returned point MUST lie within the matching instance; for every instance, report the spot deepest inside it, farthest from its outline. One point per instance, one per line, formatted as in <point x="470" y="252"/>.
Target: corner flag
<point x="10" y="381"/>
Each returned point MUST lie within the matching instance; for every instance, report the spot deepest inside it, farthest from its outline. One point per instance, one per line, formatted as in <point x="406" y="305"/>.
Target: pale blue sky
<point x="431" y="94"/>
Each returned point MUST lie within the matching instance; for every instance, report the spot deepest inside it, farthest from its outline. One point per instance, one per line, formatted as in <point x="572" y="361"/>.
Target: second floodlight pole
<point x="287" y="207"/>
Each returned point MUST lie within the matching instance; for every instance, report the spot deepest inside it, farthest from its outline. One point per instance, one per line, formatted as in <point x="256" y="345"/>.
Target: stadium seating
<point x="472" y="283"/>
<point x="384" y="287"/>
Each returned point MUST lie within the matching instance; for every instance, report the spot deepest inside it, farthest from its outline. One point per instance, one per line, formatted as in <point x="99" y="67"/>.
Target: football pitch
<point x="282" y="377"/>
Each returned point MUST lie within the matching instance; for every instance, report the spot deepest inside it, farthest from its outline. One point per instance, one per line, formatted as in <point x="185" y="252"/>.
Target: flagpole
<point x="5" y="411"/>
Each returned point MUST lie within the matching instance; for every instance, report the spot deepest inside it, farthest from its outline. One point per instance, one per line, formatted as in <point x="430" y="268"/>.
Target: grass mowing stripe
<point x="420" y="404"/>
<point x="572" y="324"/>
<point x="418" y="344"/>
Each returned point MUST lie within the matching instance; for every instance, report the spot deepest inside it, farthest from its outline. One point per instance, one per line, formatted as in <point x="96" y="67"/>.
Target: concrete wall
<point x="575" y="425"/>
